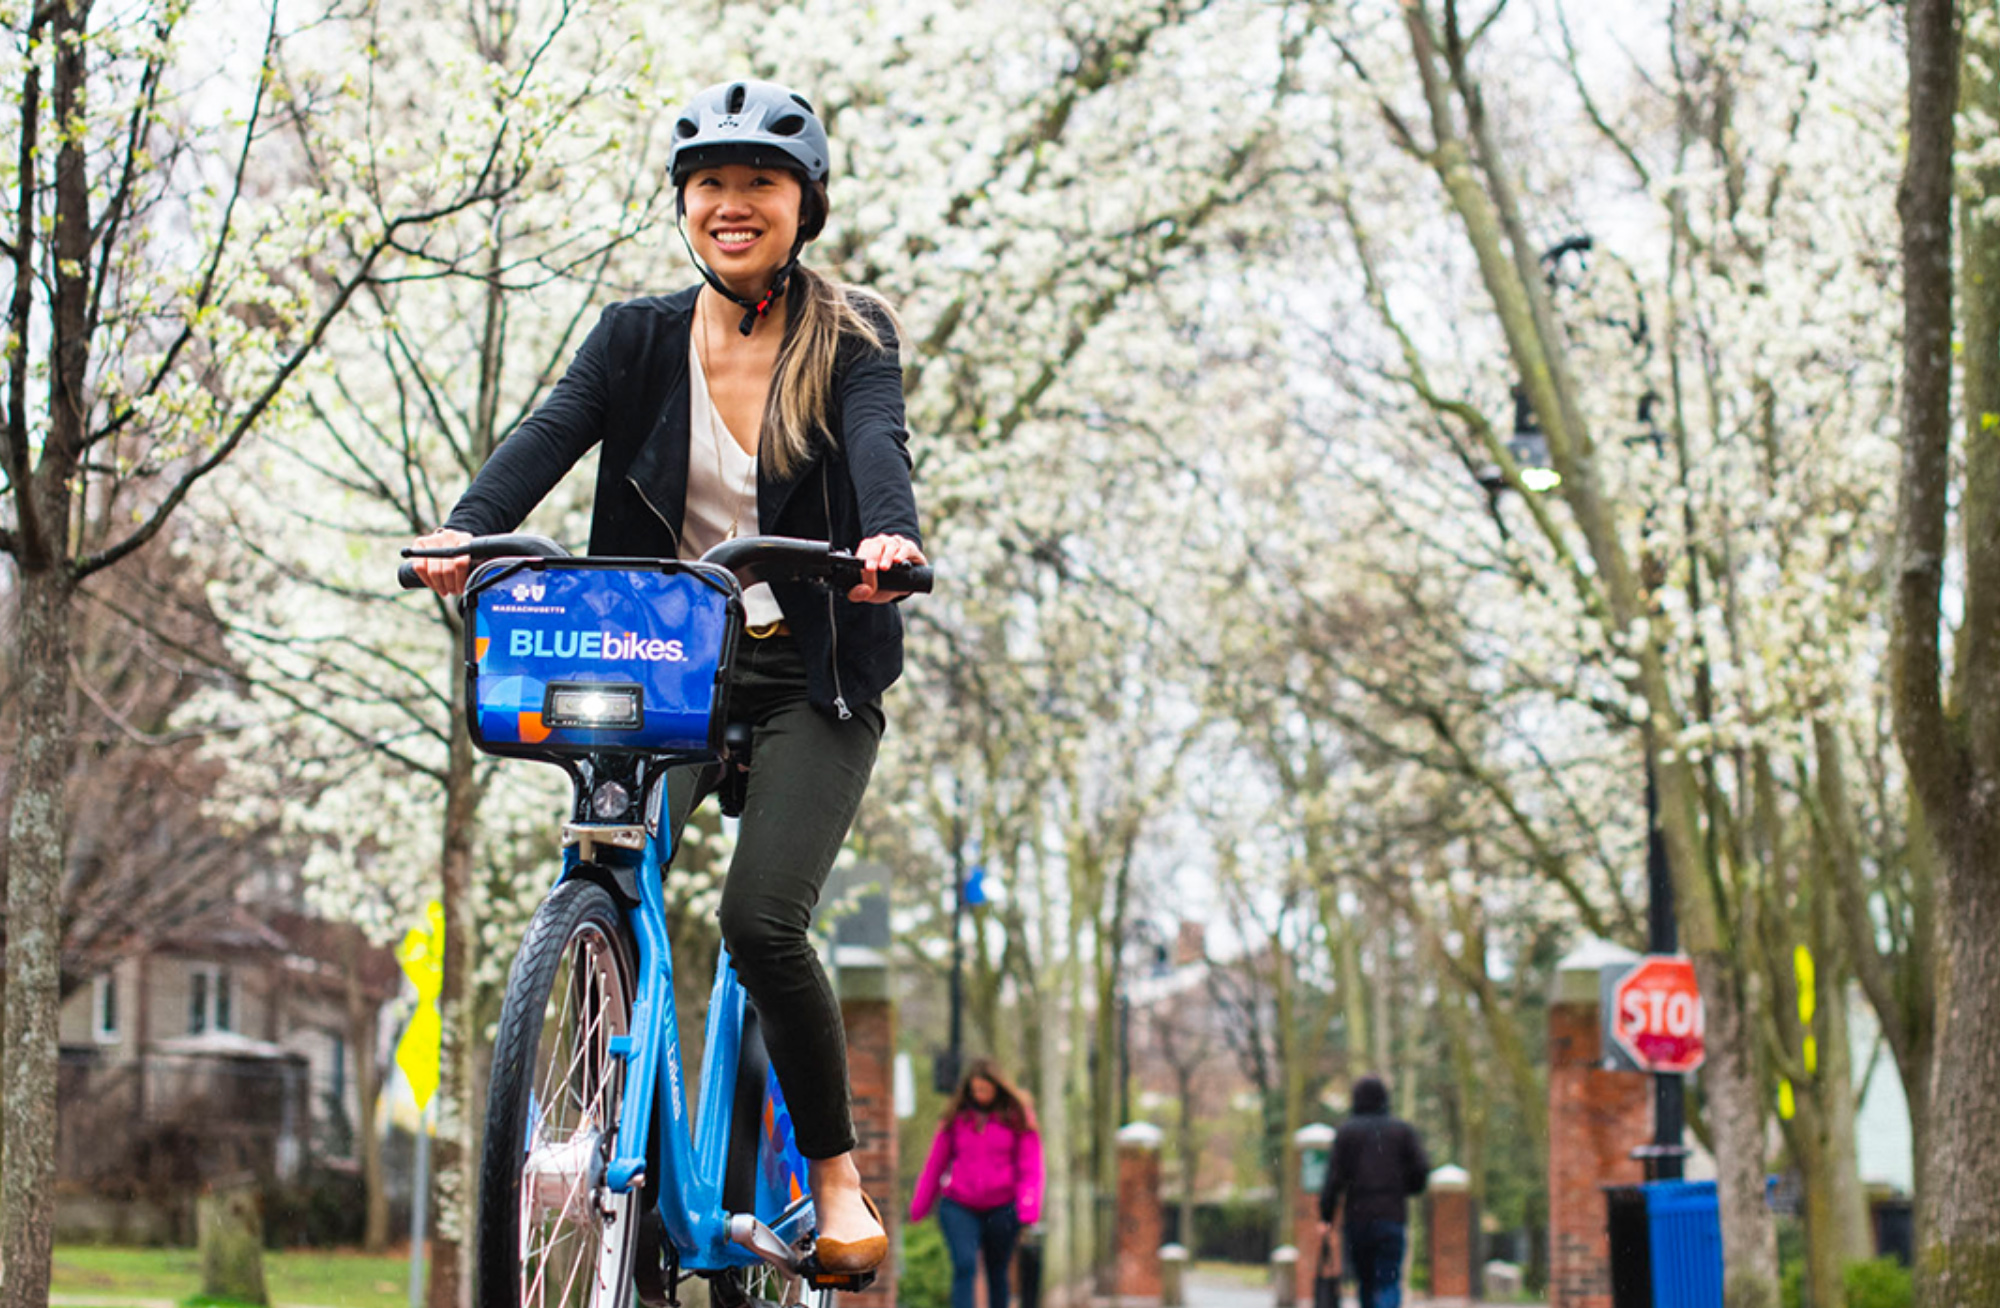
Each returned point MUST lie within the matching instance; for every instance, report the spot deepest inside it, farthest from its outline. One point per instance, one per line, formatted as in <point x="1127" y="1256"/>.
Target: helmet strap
<point x="753" y="310"/>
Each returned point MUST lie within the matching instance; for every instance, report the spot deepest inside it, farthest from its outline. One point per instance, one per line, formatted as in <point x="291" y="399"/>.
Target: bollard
<point x="1454" y="1237"/>
<point x="1285" y="1275"/>
<point x="1314" y="1144"/>
<point x="1141" y="1224"/>
<point x="1173" y="1268"/>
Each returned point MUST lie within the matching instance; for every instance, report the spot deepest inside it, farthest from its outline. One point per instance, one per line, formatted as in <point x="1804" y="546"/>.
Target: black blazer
<point x="628" y="388"/>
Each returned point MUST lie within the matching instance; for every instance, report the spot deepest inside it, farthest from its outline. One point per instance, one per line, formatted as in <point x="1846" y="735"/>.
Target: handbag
<point x="1326" y="1276"/>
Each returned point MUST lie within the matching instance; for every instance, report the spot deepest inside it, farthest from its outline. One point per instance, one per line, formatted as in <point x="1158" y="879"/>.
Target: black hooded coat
<point x="1378" y="1162"/>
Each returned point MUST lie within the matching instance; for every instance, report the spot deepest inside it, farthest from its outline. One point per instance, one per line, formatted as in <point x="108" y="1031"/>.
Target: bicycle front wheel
<point x="550" y="1229"/>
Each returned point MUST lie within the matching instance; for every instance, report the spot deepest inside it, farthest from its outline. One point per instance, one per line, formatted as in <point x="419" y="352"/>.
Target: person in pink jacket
<point x="984" y="1174"/>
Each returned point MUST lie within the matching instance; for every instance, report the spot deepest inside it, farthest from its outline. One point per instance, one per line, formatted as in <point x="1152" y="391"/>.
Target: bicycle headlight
<point x="599" y="707"/>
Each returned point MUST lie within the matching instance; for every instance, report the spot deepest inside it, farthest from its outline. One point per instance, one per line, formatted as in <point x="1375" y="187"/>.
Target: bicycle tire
<point x="549" y="1231"/>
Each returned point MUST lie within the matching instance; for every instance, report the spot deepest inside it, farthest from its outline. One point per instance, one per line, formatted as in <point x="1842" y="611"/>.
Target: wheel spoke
<point x="575" y="1237"/>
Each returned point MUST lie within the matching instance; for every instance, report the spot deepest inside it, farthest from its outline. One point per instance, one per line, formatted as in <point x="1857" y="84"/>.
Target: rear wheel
<point x="550" y="1229"/>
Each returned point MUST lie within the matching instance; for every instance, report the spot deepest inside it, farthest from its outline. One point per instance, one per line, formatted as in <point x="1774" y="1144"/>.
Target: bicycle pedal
<point x="821" y="1279"/>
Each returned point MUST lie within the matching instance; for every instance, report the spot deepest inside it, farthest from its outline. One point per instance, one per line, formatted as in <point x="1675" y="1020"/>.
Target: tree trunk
<point x="1734" y="1101"/>
<point x="1959" y="1248"/>
<point x="1848" y="1228"/>
<point x="361" y="1034"/>
<point x="1901" y="987"/>
<point x="1953" y="758"/>
<point x="36" y="829"/>
<point x="35" y="835"/>
<point x="230" y="1230"/>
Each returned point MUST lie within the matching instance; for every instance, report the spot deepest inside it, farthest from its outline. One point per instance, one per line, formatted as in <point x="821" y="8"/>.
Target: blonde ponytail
<point x="821" y="312"/>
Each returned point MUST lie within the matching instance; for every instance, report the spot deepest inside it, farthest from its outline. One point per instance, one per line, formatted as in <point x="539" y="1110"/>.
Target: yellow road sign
<point x="422" y="957"/>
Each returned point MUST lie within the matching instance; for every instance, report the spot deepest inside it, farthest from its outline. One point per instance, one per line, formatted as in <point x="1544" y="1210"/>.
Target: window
<point x="104" y="1009"/>
<point x="208" y="1000"/>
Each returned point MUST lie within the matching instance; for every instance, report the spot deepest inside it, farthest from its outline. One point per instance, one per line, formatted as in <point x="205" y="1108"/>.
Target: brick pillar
<point x="1312" y="1145"/>
<point x="870" y="1019"/>
<point x="1142" y="1222"/>
<point x="1596" y="1118"/>
<point x="1454" y="1237"/>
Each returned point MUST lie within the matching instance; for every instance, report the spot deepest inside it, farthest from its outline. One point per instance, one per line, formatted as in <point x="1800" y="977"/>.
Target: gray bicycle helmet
<point x="757" y="123"/>
<point x="764" y="125"/>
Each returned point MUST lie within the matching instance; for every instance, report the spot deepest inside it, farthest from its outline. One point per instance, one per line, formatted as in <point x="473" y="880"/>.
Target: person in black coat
<point x="1378" y="1162"/>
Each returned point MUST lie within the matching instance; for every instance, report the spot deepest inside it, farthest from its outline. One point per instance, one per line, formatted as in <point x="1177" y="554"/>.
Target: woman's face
<point x="983" y="1091"/>
<point x="742" y="222"/>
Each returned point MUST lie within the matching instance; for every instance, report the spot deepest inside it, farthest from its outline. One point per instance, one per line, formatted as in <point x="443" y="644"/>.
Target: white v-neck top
<point x="721" y="490"/>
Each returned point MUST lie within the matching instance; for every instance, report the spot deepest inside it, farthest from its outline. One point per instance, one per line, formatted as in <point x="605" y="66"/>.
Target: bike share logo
<point x="527" y="597"/>
<point x="616" y="646"/>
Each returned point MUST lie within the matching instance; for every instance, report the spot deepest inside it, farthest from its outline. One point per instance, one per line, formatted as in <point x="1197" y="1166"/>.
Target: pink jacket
<point x="981" y="1162"/>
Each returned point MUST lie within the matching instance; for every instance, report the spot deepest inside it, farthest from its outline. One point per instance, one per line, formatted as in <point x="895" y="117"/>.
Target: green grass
<point x="337" y="1280"/>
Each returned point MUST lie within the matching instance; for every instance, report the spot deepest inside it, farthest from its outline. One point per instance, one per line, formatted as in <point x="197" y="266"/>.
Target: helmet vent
<point x="685" y="128"/>
<point x="789" y="125"/>
<point x="737" y="94"/>
<point x="802" y="102"/>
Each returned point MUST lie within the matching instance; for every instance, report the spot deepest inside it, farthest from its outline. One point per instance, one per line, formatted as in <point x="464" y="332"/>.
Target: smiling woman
<point x="767" y="399"/>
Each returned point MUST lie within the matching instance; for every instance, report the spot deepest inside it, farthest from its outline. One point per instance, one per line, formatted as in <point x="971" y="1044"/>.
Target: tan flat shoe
<point x="849" y="1256"/>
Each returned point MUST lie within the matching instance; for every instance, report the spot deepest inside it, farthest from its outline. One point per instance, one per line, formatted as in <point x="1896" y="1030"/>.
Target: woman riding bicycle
<point x="766" y="400"/>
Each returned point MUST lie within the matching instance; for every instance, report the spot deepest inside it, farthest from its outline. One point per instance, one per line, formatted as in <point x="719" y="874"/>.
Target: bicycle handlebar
<point x="752" y="559"/>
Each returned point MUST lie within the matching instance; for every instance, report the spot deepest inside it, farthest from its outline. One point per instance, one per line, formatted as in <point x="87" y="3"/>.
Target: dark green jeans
<point x="808" y="772"/>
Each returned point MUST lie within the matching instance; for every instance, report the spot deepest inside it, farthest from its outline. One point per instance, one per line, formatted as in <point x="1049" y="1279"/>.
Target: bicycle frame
<point x="641" y="715"/>
<point x="693" y="1156"/>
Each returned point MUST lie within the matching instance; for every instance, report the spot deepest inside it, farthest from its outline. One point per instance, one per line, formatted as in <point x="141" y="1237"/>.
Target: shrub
<point x="1878" y="1283"/>
<point x="923" y="1280"/>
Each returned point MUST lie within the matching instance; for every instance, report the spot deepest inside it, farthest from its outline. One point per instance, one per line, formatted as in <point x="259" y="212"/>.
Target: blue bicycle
<point x="596" y="1185"/>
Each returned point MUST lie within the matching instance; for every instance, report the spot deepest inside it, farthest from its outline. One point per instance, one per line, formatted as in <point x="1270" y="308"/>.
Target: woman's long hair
<point x="1011" y="1104"/>
<point x="821" y="312"/>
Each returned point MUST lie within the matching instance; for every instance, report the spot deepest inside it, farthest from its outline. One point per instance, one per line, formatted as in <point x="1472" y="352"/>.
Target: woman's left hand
<point x="876" y="553"/>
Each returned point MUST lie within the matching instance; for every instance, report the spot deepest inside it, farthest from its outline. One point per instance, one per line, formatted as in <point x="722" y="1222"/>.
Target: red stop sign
<point x="1657" y="1015"/>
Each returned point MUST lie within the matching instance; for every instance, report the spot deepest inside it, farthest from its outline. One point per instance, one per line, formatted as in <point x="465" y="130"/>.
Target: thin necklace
<point x="716" y="431"/>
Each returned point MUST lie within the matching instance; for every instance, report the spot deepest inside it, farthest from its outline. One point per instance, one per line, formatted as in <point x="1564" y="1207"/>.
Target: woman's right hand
<point x="445" y="576"/>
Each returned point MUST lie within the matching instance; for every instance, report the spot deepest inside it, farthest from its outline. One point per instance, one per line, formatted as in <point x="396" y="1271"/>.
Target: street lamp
<point x="1529" y="446"/>
<point x="1663" y="1158"/>
<point x="968" y="890"/>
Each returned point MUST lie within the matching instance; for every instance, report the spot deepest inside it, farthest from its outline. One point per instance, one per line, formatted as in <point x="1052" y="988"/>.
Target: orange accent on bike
<point x="479" y="644"/>
<point x="532" y="730"/>
<point x="796" y="1190"/>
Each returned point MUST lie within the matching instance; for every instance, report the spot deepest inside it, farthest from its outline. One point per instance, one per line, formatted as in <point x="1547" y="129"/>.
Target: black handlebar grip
<point x="407" y="578"/>
<point x="913" y="577"/>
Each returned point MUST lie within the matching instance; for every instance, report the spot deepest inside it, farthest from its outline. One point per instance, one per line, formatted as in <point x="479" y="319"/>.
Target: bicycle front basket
<point x="583" y="656"/>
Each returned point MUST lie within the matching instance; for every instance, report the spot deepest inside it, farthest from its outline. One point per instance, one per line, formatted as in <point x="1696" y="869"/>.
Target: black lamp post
<point x="945" y="1069"/>
<point x="1663" y="1158"/>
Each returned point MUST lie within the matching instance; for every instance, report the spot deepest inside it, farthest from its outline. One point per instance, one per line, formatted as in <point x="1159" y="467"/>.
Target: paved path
<point x="1226" y="1288"/>
<point x="1231" y="1287"/>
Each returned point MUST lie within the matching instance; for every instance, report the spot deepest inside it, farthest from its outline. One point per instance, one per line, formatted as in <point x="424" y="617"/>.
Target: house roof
<point x="229" y="1044"/>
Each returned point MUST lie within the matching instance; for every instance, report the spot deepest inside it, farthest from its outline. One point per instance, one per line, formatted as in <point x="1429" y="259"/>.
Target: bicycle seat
<point x="735" y="768"/>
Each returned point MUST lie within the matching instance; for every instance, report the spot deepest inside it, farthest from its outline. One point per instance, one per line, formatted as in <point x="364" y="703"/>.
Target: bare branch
<point x="248" y="419"/>
<point x="33" y="548"/>
<point x="1575" y="65"/>
<point x="240" y="176"/>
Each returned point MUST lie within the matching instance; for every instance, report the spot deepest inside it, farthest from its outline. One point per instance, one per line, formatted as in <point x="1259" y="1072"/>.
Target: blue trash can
<point x="1684" y="1228"/>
